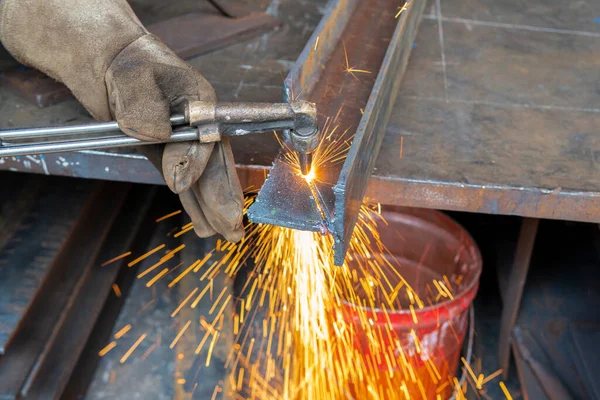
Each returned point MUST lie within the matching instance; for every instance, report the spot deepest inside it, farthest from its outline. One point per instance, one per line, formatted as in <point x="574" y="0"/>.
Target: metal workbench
<point x="498" y="111"/>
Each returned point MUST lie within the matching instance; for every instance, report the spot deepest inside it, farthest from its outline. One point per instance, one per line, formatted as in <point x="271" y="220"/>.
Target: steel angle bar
<point x="351" y="68"/>
<point x="284" y="200"/>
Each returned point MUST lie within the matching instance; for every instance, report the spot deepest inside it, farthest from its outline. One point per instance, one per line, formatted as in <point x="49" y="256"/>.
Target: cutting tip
<point x="305" y="163"/>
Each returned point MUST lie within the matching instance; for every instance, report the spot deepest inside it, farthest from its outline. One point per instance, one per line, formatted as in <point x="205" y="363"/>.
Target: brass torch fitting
<point x="306" y="135"/>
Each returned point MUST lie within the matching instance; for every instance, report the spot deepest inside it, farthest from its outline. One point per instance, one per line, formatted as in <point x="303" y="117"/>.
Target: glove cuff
<point x="73" y="41"/>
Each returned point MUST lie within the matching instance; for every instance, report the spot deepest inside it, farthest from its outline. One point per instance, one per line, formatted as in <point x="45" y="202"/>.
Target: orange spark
<point x="402" y="9"/>
<point x="401" y="145"/>
<point x="492" y="376"/>
<point x="180" y="334"/>
<point x="168" y="216"/>
<point x="182" y="304"/>
<point x="117" y="258"/>
<point x="352" y="70"/>
<point x="107" y="348"/>
<point x="157" y="277"/>
<point x="152" y="268"/>
<point x="184" y="273"/>
<point x="505" y="390"/>
<point x="146" y="255"/>
<point x="132" y="348"/>
<point x="116" y="289"/>
<point x="149" y="351"/>
<point x="122" y="331"/>
<point x="183" y="230"/>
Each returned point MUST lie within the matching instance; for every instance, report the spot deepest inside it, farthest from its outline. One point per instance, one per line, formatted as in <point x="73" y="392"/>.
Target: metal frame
<point x="511" y="299"/>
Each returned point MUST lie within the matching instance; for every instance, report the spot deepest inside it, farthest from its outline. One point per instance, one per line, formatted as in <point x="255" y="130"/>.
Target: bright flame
<point x="310" y="176"/>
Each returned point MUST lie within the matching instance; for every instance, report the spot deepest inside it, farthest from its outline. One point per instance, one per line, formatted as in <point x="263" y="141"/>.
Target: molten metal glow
<point x="310" y="176"/>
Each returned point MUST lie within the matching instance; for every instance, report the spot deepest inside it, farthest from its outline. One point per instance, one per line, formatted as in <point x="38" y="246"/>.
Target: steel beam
<point x="351" y="68"/>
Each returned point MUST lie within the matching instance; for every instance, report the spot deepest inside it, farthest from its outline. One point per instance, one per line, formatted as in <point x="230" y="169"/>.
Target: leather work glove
<point x="117" y="69"/>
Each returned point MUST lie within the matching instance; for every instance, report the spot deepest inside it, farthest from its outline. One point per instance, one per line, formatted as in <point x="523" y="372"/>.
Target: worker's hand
<point x="147" y="82"/>
<point x="116" y="69"/>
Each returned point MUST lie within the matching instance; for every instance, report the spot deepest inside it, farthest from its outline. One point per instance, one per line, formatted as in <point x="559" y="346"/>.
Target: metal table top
<point x="498" y="111"/>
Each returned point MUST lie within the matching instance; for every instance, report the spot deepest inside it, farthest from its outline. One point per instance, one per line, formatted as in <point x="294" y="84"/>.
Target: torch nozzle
<point x="305" y="162"/>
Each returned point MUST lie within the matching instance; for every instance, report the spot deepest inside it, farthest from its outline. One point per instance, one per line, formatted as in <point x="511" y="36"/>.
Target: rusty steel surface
<point x="193" y="34"/>
<point x="131" y="231"/>
<point x="197" y="32"/>
<point x="352" y="184"/>
<point x="49" y="308"/>
<point x="495" y="113"/>
<point x="358" y="104"/>
<point x="36" y="219"/>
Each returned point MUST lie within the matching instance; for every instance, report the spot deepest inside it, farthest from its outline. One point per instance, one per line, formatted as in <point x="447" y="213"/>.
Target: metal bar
<point x="284" y="199"/>
<point x="45" y="132"/>
<point x="37" y="215"/>
<point x="352" y="184"/>
<point x="546" y="378"/>
<point x="361" y="73"/>
<point x="186" y="134"/>
<point x="238" y="113"/>
<point x="322" y="43"/>
<point x="516" y="285"/>
<point x="209" y="122"/>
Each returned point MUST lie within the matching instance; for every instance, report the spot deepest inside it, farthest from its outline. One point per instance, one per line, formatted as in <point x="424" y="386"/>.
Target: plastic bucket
<point x="424" y="246"/>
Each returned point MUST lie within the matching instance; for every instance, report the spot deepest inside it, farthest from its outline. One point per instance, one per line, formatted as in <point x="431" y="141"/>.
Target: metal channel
<point x="37" y="216"/>
<point x="352" y="184"/>
<point x="132" y="227"/>
<point x="285" y="200"/>
<point x="356" y="104"/>
<point x="49" y="308"/>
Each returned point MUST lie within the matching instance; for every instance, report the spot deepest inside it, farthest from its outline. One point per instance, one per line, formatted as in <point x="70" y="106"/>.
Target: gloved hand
<point x="117" y="69"/>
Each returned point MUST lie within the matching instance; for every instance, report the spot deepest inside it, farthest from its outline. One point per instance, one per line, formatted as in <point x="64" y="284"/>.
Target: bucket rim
<point x="463" y="299"/>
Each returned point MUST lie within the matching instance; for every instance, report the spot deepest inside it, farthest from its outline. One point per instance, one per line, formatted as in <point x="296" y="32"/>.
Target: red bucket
<point x="424" y="246"/>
